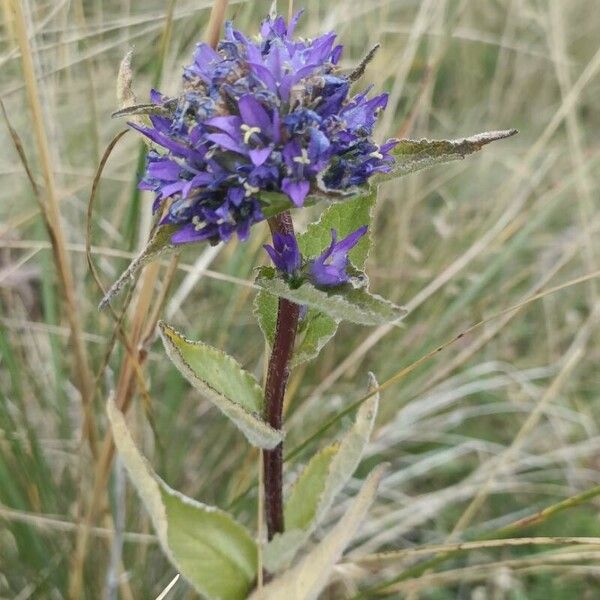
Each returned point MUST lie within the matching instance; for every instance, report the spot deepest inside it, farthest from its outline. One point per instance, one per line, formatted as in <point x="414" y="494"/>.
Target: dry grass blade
<point x="215" y="22"/>
<point x="52" y="216"/>
<point x="169" y="587"/>
<point x="571" y="359"/>
<point x="381" y="559"/>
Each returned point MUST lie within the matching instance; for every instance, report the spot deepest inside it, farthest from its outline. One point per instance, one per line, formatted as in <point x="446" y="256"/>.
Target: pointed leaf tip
<point x="415" y="155"/>
<point x="125" y="95"/>
<point x="221" y="379"/>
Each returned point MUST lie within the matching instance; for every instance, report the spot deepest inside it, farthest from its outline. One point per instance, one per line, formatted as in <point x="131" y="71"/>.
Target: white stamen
<point x="250" y="189"/>
<point x="376" y="154"/>
<point x="249" y="132"/>
<point x="303" y="158"/>
<point x="196" y="223"/>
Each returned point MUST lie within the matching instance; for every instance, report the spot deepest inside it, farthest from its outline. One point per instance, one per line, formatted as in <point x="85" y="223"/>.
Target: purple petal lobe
<point x="296" y="190"/>
<point x="259" y="155"/>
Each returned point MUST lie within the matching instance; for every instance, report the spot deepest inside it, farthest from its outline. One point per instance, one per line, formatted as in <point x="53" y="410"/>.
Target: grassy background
<point x="496" y="427"/>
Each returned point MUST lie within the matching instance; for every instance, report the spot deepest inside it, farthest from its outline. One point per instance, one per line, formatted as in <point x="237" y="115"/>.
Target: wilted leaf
<point x="350" y="302"/>
<point x="323" y="478"/>
<point x="308" y="579"/>
<point x="158" y="244"/>
<point x="143" y="109"/>
<point x="212" y="551"/>
<point x="414" y="155"/>
<point x="222" y="381"/>
<point x="125" y="94"/>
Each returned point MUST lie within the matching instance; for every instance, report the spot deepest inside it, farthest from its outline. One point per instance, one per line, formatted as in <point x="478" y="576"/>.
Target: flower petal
<point x="296" y="190"/>
<point x="254" y="114"/>
<point x="259" y="155"/>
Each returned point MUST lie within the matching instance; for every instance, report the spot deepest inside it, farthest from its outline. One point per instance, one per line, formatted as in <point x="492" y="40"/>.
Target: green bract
<point x="411" y="156"/>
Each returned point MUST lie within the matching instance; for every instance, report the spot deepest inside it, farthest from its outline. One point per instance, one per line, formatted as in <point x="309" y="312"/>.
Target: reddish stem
<point x="277" y="377"/>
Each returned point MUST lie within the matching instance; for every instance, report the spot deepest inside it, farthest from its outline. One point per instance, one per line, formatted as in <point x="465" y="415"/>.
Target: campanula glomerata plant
<point x="262" y="127"/>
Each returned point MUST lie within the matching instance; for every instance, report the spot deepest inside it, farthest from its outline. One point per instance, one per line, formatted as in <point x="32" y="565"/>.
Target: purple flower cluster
<point x="329" y="269"/>
<point x="269" y="115"/>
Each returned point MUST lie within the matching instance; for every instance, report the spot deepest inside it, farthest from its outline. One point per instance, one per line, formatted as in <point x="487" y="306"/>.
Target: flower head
<point x="272" y="114"/>
<point x="331" y="267"/>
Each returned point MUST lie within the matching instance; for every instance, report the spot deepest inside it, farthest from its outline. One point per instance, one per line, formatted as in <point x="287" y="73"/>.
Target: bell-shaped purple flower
<point x="285" y="254"/>
<point x="331" y="267"/>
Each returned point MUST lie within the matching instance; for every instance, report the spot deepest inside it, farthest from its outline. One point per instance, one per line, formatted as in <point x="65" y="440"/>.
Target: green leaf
<point x="315" y="489"/>
<point x="274" y="203"/>
<point x="414" y="155"/>
<point x="265" y="311"/>
<point x="222" y="380"/>
<point x="345" y="217"/>
<point x="212" y="551"/>
<point x="310" y="576"/>
<point x="350" y="302"/>
<point x="303" y="504"/>
<point x="314" y="332"/>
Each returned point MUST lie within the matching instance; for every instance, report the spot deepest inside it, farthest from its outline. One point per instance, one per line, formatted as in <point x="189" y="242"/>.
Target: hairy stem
<point x="277" y="377"/>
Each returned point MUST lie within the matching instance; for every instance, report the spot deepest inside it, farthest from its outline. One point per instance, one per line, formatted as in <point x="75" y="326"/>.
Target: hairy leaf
<point x="307" y="580"/>
<point x="323" y="478"/>
<point x="350" y="302"/>
<point x="265" y="311"/>
<point x="158" y="244"/>
<point x="414" y="155"/>
<point x="212" y="551"/>
<point x="314" y="332"/>
<point x="222" y="381"/>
